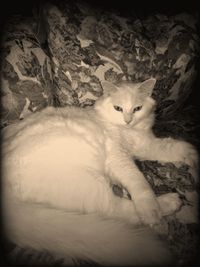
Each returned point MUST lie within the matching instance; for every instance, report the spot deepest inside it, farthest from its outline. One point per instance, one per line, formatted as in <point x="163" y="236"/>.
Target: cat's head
<point x="126" y="103"/>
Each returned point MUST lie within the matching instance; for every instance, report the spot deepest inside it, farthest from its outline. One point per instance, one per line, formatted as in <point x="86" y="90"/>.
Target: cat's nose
<point x="127" y="121"/>
<point x="127" y="117"/>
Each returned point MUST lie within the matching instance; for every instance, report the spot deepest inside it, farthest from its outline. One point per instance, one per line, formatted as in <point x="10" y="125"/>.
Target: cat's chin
<point x="129" y="125"/>
<point x="132" y="124"/>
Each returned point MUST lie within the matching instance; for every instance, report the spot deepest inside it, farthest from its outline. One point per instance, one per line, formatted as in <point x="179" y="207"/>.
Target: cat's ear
<point x="108" y="88"/>
<point x="146" y="87"/>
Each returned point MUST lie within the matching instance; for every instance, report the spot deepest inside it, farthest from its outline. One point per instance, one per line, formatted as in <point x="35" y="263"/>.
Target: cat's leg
<point x="123" y="208"/>
<point x="169" y="203"/>
<point x="169" y="150"/>
<point x="123" y="170"/>
<point x="120" y="207"/>
<point x="103" y="200"/>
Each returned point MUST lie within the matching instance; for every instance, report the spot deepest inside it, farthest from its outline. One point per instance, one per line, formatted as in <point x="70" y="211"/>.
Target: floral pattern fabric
<point x="60" y="58"/>
<point x="89" y="45"/>
<point x="26" y="75"/>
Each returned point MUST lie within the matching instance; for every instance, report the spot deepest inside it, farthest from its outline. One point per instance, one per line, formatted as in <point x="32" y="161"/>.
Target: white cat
<point x="64" y="160"/>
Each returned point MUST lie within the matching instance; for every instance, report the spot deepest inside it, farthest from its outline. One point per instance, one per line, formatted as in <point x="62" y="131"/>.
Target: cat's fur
<point x="63" y="160"/>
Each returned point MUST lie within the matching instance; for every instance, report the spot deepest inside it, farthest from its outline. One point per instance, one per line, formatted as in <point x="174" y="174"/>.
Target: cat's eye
<point x="137" y="109"/>
<point x="118" y="108"/>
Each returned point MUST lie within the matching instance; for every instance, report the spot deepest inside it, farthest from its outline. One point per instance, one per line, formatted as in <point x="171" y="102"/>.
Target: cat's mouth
<point x="131" y="124"/>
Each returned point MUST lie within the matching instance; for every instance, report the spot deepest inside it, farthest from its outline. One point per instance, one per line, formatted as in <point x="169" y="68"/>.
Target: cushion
<point x="89" y="45"/>
<point x="26" y="75"/>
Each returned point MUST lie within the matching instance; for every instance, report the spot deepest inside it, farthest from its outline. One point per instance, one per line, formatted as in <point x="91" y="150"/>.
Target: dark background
<point x="169" y="6"/>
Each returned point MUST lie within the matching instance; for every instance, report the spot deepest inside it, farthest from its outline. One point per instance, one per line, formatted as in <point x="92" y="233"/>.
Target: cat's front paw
<point x="153" y="217"/>
<point x="149" y="211"/>
<point x="169" y="203"/>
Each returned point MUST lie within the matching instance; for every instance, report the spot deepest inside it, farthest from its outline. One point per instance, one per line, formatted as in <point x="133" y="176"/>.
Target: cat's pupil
<point x="137" y="109"/>
<point x="118" y="108"/>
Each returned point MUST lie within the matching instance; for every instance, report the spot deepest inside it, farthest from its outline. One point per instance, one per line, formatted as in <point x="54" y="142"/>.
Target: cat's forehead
<point x="129" y="85"/>
<point x="126" y="94"/>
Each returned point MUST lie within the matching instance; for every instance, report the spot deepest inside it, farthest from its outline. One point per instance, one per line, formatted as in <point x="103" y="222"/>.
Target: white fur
<point x="88" y="237"/>
<point x="67" y="158"/>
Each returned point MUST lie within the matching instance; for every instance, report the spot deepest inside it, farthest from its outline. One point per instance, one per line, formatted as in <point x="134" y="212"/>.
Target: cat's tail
<point x="86" y="237"/>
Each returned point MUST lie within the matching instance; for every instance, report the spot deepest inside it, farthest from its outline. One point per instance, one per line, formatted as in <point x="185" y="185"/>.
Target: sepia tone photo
<point x="99" y="134"/>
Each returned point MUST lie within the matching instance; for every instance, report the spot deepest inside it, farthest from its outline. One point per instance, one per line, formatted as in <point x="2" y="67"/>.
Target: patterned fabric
<point x="60" y="56"/>
<point x="26" y="75"/>
<point x="89" y="45"/>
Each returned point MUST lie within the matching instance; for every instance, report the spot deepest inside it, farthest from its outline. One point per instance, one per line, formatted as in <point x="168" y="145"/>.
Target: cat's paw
<point x="169" y="203"/>
<point x="149" y="211"/>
